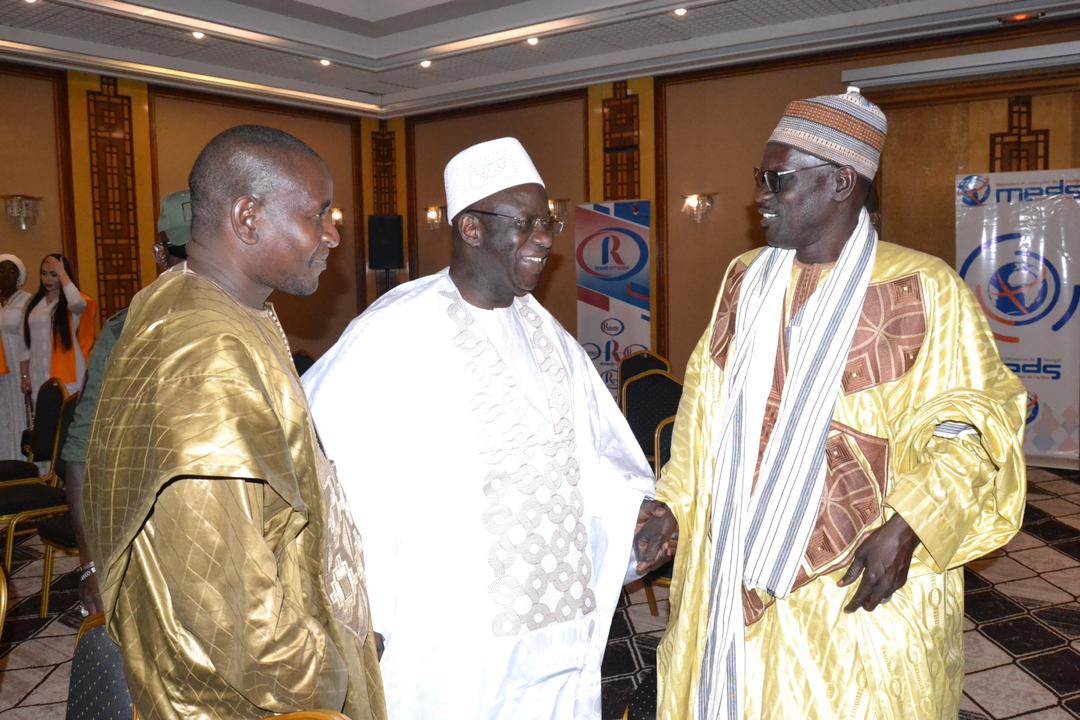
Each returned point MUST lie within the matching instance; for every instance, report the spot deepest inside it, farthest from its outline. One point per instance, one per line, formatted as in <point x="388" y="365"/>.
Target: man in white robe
<point x="500" y="490"/>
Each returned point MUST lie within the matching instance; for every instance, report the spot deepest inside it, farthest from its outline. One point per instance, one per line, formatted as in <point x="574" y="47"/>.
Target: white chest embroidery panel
<point x="539" y="558"/>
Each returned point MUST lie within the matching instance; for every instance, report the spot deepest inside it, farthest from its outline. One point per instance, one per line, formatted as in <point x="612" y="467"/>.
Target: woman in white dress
<point x="12" y="404"/>
<point x="59" y="328"/>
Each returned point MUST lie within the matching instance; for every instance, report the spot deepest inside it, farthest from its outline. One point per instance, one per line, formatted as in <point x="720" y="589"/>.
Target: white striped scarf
<point x="759" y="539"/>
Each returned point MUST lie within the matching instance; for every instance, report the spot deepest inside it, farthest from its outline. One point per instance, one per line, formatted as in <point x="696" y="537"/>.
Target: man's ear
<point x="469" y="229"/>
<point x="846" y="180"/>
<point x="161" y="255"/>
<point x="244" y="217"/>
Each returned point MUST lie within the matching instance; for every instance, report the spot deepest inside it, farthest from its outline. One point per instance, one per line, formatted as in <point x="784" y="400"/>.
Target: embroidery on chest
<point x="343" y="559"/>
<point x="534" y="514"/>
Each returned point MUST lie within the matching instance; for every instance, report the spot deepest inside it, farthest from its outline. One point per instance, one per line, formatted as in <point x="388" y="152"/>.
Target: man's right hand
<point x="90" y="595"/>
<point x="655" y="535"/>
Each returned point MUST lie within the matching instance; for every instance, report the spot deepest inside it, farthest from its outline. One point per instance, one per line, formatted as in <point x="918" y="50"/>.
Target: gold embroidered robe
<point x="922" y="354"/>
<point x="209" y="522"/>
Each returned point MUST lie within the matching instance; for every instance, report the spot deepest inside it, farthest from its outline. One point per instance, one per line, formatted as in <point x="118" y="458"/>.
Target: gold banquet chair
<point x="637" y="363"/>
<point x="3" y="599"/>
<point x="56" y="534"/>
<point x="648" y="398"/>
<point x="24" y="494"/>
<point x="56" y="531"/>
<point x="98" y="690"/>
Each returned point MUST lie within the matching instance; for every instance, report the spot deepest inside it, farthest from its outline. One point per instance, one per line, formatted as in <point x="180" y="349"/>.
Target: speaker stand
<point x="383" y="281"/>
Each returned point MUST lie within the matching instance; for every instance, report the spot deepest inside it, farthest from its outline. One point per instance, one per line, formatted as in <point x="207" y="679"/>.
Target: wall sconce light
<point x="434" y="215"/>
<point x="22" y="210"/>
<point x="698" y="205"/>
<point x="337" y="217"/>
<point x="559" y="207"/>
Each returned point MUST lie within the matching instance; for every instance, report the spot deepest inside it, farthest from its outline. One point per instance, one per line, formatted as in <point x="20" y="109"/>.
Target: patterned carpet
<point x="1022" y="631"/>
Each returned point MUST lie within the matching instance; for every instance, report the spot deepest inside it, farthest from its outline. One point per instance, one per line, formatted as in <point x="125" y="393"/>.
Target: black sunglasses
<point x="771" y="178"/>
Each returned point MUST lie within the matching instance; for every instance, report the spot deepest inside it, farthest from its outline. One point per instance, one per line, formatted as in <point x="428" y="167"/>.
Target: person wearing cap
<point x="170" y="249"/>
<point x="13" y="300"/>
<point x="231" y="574"/>
<point x="498" y="486"/>
<point x="847" y="439"/>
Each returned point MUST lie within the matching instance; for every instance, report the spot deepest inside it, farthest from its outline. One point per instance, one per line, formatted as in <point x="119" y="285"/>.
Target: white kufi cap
<point x="482" y="170"/>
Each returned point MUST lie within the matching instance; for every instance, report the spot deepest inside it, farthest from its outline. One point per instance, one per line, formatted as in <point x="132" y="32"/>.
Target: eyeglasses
<point x="771" y="178"/>
<point x="550" y="224"/>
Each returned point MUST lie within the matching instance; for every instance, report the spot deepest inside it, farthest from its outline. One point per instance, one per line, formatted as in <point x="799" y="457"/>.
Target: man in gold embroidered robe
<point x="923" y="469"/>
<point x="232" y="572"/>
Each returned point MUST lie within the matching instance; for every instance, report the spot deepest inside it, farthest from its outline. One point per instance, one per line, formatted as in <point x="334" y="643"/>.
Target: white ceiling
<point x="271" y="48"/>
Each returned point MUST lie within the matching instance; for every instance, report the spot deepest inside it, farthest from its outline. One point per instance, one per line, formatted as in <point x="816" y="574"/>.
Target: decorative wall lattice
<point x="622" y="153"/>
<point x="1021" y="148"/>
<point x="112" y="184"/>
<point x="384" y="161"/>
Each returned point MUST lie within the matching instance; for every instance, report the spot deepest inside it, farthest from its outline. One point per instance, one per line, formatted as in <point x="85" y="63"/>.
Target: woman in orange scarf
<point x="13" y="303"/>
<point x="59" y="329"/>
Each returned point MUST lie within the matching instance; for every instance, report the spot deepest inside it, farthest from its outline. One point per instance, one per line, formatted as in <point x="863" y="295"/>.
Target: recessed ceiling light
<point x="425" y="63"/>
<point x="324" y="62"/>
<point x="533" y="41"/>
<point x="1020" y="17"/>
<point x="198" y="35"/>
<point x="680" y="11"/>
<point x="31" y="2"/>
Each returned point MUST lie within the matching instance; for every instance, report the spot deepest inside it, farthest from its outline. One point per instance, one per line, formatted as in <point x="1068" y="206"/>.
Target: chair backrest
<point x="3" y="598"/>
<point x="97" y="689"/>
<point x="44" y="436"/>
<point x="647" y="399"/>
<point x="637" y="363"/>
<point x="663" y="443"/>
<point x="67" y="414"/>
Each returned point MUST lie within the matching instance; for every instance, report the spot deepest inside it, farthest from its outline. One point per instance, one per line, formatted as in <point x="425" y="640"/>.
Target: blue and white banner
<point x="1018" y="247"/>
<point x="612" y="257"/>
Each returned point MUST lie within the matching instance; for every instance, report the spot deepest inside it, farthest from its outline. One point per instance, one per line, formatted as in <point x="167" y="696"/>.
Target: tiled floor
<point x="1022" y="631"/>
<point x="35" y="653"/>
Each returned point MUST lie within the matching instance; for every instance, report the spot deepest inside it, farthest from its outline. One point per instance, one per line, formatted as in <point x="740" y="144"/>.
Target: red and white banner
<point x="612" y="258"/>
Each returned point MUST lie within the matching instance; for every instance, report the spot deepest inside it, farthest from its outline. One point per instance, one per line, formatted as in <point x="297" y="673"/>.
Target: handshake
<point x="656" y="536"/>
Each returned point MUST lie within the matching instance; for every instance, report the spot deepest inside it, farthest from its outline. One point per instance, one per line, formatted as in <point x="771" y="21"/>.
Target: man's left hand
<point x="883" y="560"/>
<point x="655" y="535"/>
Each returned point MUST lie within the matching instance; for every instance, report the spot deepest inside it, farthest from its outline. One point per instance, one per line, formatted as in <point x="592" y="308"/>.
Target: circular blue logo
<point x="613" y="253"/>
<point x="974" y="190"/>
<point x="1020" y="288"/>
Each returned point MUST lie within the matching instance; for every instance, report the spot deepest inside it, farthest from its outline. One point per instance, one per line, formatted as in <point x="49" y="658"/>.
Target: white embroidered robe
<point x="496" y="486"/>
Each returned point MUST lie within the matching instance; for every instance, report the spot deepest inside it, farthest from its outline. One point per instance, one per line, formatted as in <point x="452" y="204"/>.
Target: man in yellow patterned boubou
<point x="847" y="439"/>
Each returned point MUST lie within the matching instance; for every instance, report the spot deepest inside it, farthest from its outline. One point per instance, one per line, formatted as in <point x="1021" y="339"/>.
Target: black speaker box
<point x="385" y="243"/>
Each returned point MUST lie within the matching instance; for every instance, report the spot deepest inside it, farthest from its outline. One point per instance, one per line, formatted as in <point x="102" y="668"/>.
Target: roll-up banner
<point x="612" y="254"/>
<point x="1018" y="247"/>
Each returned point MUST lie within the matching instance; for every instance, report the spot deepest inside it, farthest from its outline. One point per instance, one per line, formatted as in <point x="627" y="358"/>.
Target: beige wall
<point x="29" y="165"/>
<point x="182" y="126"/>
<point x="716" y="129"/>
<point x="554" y="133"/>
